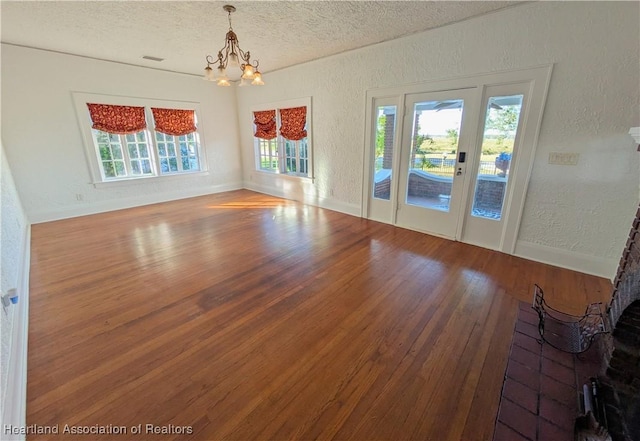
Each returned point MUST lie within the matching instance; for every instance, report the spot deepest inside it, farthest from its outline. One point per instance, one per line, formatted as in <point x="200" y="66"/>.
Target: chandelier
<point x="232" y="55"/>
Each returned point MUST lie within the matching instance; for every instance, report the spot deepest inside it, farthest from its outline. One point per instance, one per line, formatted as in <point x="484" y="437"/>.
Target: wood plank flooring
<point x="249" y="317"/>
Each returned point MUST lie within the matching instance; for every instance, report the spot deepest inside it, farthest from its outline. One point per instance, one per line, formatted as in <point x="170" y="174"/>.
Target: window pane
<point x="184" y="151"/>
<point x="194" y="163"/>
<point x="101" y="137"/>
<point x="434" y="146"/>
<point x="135" y="167"/>
<point x="385" y="134"/>
<point x="117" y="152"/>
<point x="173" y="164"/>
<point x="144" y="151"/>
<point x="109" y="170"/>
<point x="162" y="150"/>
<point x="141" y="137"/>
<point x="501" y="125"/>
<point x="114" y="138"/>
<point x="268" y="151"/>
<point x="291" y="156"/>
<point x="131" y="138"/>
<point x="133" y="150"/>
<point x="105" y="152"/>
<point x="146" y="166"/>
<point x="164" y="165"/>
<point x="171" y="149"/>
<point x="159" y="136"/>
<point x="120" y="170"/>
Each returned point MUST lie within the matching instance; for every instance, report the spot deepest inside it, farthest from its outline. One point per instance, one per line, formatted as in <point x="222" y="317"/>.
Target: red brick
<point x="588" y="365"/>
<point x="505" y="433"/>
<point x="526" y="342"/>
<point x="523" y="374"/>
<point x="557" y="391"/>
<point x="525" y="357"/>
<point x="551" y="432"/>
<point x="524" y="306"/>
<point x="557" y="413"/>
<point x="518" y="418"/>
<point x="521" y="394"/>
<point x="528" y="329"/>
<point x="529" y="316"/>
<point x="558" y="372"/>
<point x="564" y="358"/>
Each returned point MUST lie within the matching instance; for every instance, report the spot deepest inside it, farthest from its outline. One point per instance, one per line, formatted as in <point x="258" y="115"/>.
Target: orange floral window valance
<point x="120" y="120"/>
<point x="293" y="122"/>
<point x="176" y="122"/>
<point x="265" y="122"/>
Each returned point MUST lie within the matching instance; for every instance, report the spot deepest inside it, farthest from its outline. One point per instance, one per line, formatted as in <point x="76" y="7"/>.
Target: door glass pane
<point x="434" y="147"/>
<point x="501" y="124"/>
<point x="385" y="134"/>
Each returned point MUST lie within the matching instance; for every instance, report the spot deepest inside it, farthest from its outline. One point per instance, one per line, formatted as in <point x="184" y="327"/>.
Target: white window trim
<point x="286" y="104"/>
<point x="81" y="99"/>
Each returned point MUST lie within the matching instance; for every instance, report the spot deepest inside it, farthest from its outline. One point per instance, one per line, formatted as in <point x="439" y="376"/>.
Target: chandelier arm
<point x="223" y="57"/>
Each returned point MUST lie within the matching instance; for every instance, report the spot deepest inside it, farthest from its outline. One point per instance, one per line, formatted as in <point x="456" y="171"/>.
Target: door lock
<point x="459" y="172"/>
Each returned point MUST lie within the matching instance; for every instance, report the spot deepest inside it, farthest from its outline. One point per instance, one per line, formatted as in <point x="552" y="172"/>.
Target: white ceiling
<point x="278" y="33"/>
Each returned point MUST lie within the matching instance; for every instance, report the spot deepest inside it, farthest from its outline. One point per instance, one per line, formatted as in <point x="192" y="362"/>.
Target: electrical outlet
<point x="558" y="158"/>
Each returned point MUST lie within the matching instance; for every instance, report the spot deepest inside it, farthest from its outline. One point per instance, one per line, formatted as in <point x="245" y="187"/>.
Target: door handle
<point x="462" y="156"/>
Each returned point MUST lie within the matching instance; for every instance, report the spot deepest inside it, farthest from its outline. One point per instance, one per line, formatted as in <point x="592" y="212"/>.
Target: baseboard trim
<point x="584" y="263"/>
<point x="15" y="404"/>
<point x="327" y="203"/>
<point x="121" y="204"/>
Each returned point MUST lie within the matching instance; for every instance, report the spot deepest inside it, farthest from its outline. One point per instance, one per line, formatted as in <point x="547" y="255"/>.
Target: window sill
<point x="285" y="176"/>
<point x="147" y="179"/>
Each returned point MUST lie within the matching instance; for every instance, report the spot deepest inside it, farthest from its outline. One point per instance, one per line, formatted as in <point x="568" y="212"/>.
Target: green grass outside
<point x="437" y="148"/>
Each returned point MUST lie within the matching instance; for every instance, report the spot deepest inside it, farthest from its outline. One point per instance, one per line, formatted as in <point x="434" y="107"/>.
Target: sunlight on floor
<point x="267" y="203"/>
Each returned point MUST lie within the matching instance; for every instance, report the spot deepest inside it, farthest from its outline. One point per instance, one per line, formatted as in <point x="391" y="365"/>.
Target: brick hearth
<point x="540" y="398"/>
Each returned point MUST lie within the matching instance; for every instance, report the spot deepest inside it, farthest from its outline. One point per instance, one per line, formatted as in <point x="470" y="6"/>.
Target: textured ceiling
<point x="278" y="33"/>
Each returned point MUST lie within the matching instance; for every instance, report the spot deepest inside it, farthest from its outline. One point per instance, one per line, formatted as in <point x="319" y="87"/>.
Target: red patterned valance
<point x="293" y="122"/>
<point x="174" y="121"/>
<point x="265" y="122"/>
<point x="117" y="119"/>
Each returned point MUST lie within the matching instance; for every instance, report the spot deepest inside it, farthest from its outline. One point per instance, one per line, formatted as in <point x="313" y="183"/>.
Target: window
<point x="120" y="162"/>
<point x="295" y="156"/>
<point x="268" y="155"/>
<point x="282" y="138"/>
<point x="139" y="138"/>
<point x="177" y="153"/>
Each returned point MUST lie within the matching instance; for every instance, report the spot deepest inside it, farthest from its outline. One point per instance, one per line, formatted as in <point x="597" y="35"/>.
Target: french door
<point x="437" y="146"/>
<point x="455" y="161"/>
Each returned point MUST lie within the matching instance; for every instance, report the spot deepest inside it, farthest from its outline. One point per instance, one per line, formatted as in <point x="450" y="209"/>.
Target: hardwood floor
<point x="250" y="317"/>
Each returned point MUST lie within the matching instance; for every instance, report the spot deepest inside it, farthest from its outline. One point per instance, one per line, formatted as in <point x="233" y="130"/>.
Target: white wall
<point x="44" y="144"/>
<point x="575" y="216"/>
<point x="14" y="273"/>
